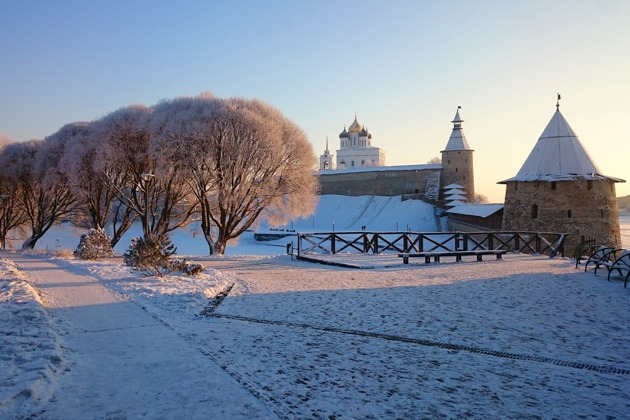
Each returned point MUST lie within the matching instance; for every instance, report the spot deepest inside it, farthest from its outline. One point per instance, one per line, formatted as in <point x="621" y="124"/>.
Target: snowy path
<point x="124" y="362"/>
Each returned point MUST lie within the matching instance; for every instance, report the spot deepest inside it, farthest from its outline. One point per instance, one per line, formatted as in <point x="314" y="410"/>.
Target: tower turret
<point x="560" y="189"/>
<point x="457" y="160"/>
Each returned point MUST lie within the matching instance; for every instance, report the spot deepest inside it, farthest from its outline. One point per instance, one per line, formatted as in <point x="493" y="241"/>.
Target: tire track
<point x="430" y="343"/>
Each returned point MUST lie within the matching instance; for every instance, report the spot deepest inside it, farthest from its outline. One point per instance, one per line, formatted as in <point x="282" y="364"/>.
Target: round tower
<point x="560" y="189"/>
<point x="457" y="161"/>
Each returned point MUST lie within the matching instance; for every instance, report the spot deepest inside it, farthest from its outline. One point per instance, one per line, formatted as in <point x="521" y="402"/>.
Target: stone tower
<point x="457" y="160"/>
<point x="560" y="189"/>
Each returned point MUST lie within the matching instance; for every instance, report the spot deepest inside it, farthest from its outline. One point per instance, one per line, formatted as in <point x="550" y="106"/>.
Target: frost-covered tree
<point x="245" y="162"/>
<point x="43" y="190"/>
<point x="140" y="179"/>
<point x="11" y="214"/>
<point x="97" y="202"/>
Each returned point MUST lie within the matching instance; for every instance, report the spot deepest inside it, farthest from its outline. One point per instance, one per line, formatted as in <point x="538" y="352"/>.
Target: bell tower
<point x="327" y="160"/>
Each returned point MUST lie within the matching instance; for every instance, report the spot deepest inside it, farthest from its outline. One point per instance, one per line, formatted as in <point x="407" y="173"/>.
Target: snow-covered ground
<point x="519" y="338"/>
<point x="526" y="337"/>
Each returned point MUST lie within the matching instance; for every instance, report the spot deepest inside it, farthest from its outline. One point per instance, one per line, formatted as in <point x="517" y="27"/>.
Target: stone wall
<point x="385" y="182"/>
<point x="583" y="209"/>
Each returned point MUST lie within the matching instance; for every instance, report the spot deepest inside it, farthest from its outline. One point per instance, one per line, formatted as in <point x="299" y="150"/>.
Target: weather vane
<point x="558" y="102"/>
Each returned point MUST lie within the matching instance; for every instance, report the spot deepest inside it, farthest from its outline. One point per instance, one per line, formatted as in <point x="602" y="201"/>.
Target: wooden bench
<point x="602" y="256"/>
<point x="457" y="254"/>
<point x="621" y="264"/>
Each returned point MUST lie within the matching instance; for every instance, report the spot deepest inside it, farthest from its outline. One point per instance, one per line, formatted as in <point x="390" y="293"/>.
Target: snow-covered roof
<point x="455" y="197"/>
<point x="558" y="156"/>
<point x="457" y="141"/>
<point x="455" y="203"/>
<point x="479" y="210"/>
<point x="455" y="192"/>
<point x="453" y="186"/>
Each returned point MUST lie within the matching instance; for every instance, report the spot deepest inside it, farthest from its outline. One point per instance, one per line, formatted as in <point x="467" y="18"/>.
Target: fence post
<point x="405" y="242"/>
<point x="458" y="241"/>
<point x="332" y="243"/>
<point x="299" y="241"/>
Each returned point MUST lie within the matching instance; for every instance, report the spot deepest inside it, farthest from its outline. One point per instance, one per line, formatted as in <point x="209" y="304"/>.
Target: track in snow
<point x="430" y="343"/>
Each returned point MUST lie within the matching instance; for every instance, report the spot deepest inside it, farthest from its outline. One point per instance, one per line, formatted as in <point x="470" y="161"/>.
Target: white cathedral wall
<point x="361" y="157"/>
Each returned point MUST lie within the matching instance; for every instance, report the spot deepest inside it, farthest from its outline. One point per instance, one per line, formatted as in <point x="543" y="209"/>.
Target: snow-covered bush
<point x="93" y="245"/>
<point x="152" y="256"/>
<point x="193" y="269"/>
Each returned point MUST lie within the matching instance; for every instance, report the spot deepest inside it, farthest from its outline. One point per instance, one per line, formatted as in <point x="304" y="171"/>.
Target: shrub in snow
<point x="193" y="269"/>
<point x="151" y="256"/>
<point x="94" y="245"/>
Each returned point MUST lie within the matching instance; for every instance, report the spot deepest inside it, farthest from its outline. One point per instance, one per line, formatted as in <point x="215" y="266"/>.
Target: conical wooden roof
<point x="558" y="155"/>
<point x="457" y="140"/>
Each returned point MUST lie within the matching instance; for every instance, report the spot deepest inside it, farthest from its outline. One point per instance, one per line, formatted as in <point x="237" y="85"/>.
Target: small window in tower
<point x="569" y="214"/>
<point x="449" y="161"/>
<point x="589" y="185"/>
<point x="466" y="160"/>
<point x="352" y="163"/>
<point x="455" y="169"/>
<point x="553" y="185"/>
<point x="534" y="211"/>
<point x="362" y="163"/>
<point x="602" y="213"/>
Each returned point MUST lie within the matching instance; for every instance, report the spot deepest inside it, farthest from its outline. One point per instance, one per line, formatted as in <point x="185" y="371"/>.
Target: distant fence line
<point x="551" y="244"/>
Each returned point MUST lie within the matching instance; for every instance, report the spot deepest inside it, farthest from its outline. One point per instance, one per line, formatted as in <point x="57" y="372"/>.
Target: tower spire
<point x="558" y="102"/>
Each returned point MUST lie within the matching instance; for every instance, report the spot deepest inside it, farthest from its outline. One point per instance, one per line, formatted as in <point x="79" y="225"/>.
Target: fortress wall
<point x="382" y="182"/>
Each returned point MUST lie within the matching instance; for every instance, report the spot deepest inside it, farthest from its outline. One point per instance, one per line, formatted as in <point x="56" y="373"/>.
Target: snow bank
<point x="31" y="353"/>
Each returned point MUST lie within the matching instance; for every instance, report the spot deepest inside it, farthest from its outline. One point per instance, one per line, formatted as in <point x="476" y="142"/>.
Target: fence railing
<point x="551" y="244"/>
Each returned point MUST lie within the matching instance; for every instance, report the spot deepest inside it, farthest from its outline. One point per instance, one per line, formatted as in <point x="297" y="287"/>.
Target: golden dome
<point x="355" y="127"/>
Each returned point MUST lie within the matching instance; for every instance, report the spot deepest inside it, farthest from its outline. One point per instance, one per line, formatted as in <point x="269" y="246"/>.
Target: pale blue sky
<point x="402" y="66"/>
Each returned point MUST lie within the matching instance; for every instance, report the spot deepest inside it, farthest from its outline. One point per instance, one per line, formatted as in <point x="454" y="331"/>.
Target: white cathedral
<point x="355" y="150"/>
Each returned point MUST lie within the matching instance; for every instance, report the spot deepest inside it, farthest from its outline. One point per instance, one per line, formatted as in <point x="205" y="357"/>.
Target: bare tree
<point x="245" y="162"/>
<point x="43" y="191"/>
<point x="434" y="160"/>
<point x="480" y="199"/>
<point x="97" y="202"/>
<point x="140" y="180"/>
<point x="11" y="214"/>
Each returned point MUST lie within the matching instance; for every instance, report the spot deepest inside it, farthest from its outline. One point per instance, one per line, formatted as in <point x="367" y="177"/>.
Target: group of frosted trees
<point x="226" y="163"/>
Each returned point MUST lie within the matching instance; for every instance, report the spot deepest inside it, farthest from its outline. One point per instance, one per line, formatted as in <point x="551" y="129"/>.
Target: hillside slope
<point x="376" y="213"/>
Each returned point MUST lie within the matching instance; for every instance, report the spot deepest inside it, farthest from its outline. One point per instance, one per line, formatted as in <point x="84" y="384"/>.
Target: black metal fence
<point x="551" y="244"/>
